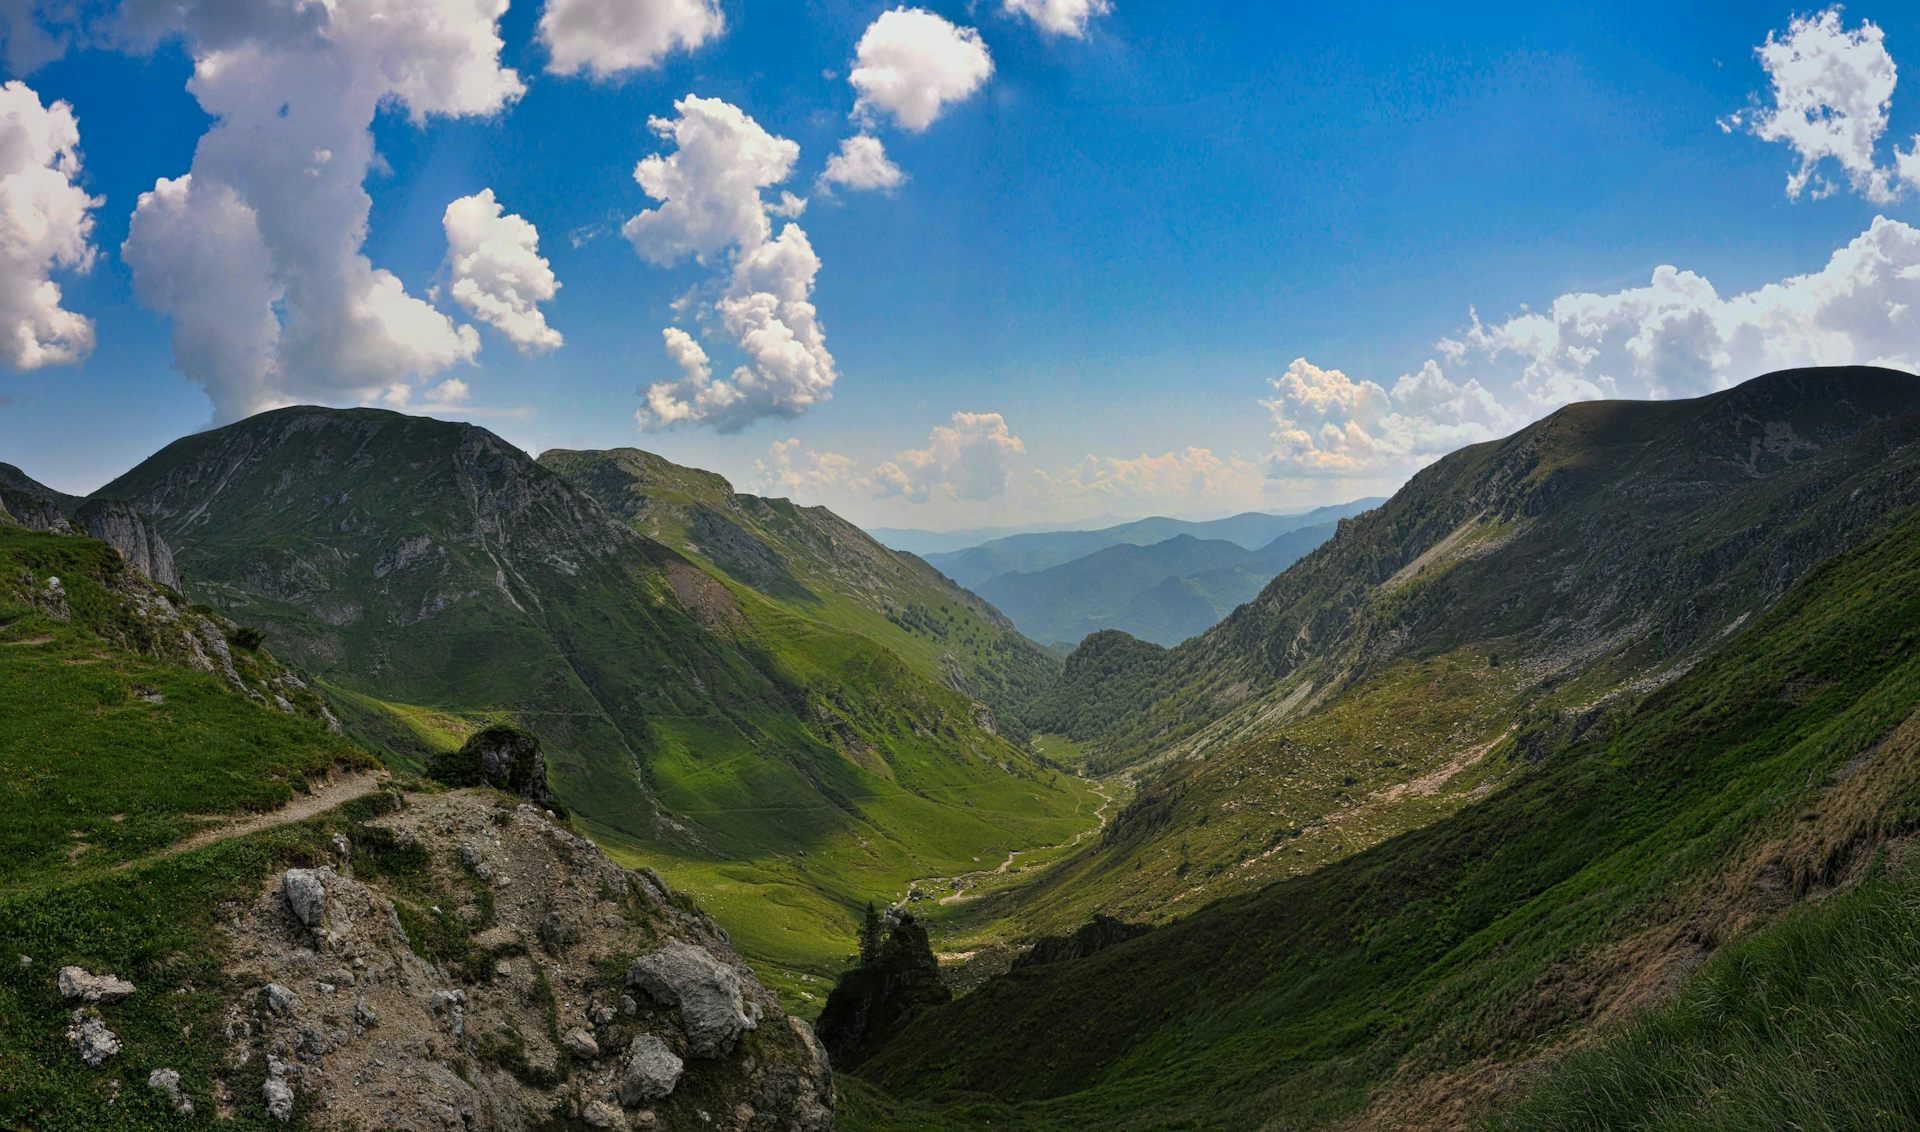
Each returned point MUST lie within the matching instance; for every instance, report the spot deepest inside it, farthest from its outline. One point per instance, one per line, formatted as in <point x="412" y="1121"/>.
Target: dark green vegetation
<point x="1416" y="977"/>
<point x="1164" y="593"/>
<point x="975" y="566"/>
<point x="763" y="738"/>
<point x="896" y="979"/>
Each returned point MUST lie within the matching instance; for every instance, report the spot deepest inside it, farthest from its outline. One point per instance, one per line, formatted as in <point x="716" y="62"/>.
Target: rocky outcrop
<point x="76" y="983"/>
<point x="1098" y="934"/>
<point x="501" y="756"/>
<point x="874" y="1000"/>
<point x="398" y="987"/>
<point x="132" y="534"/>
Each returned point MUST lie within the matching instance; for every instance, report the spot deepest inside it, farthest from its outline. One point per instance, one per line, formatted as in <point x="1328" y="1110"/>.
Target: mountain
<point x="1679" y="699"/>
<point x="1028" y="553"/>
<point x="914" y="541"/>
<point x="1165" y="592"/>
<point x="214" y="909"/>
<point x="26" y="502"/>
<point x="816" y="563"/>
<point x="435" y="579"/>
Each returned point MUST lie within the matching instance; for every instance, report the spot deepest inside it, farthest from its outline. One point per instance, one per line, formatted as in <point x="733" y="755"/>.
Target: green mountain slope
<point x="1164" y="592"/>
<point x="814" y="562"/>
<point x="1413" y="984"/>
<point x="1028" y="553"/>
<point x="434" y="577"/>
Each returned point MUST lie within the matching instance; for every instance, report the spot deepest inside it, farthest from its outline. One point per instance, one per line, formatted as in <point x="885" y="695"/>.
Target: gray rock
<point x="652" y="1071"/>
<point x="168" y="1081"/>
<point x="279" y="1097"/>
<point x="281" y="1001"/>
<point x="706" y="991"/>
<point x="306" y="891"/>
<point x="90" y="1036"/>
<point x="453" y="1006"/>
<point x="600" y="1114"/>
<point x="75" y="982"/>
<point x="579" y="1043"/>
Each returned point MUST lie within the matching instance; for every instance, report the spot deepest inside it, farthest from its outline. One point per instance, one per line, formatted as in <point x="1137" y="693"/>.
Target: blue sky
<point x="1119" y="242"/>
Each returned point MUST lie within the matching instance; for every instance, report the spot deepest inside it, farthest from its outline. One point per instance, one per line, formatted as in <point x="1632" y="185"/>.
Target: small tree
<point x="872" y="934"/>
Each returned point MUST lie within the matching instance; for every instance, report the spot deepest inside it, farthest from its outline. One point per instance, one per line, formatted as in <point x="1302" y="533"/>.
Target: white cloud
<point x="607" y="38"/>
<point x="1675" y="337"/>
<point x="793" y="471"/>
<point x="498" y="274"/>
<point x="709" y="187"/>
<point x="1060" y="17"/>
<point x="1195" y="476"/>
<point x="46" y="224"/>
<point x="971" y="458"/>
<point x="710" y="190"/>
<point x="911" y="64"/>
<point x="862" y="165"/>
<point x="1832" y="93"/>
<point x="278" y="182"/>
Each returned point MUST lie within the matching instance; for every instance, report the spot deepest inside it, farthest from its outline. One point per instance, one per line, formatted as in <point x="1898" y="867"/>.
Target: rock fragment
<point x="306" y="891"/>
<point x="706" y="991"/>
<point x="652" y="1071"/>
<point x="75" y="982"/>
<point x="89" y="1035"/>
<point x="167" y="1081"/>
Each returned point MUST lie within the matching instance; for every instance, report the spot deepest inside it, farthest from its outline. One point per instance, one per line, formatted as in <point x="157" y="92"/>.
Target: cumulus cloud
<point x="498" y="274"/>
<point x="970" y="458"/>
<point x="862" y="165"/>
<point x="911" y="64"/>
<point x="607" y="38"/>
<point x="793" y="471"/>
<point x="289" y="308"/>
<point x="711" y="193"/>
<point x="46" y="225"/>
<point x="26" y="40"/>
<point x="1677" y="336"/>
<point x="1192" y="476"/>
<point x="1060" y="17"/>
<point x="1832" y="93"/>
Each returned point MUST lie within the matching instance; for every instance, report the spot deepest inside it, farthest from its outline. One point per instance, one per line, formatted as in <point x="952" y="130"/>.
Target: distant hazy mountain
<point x="974" y="566"/>
<point x="915" y="541"/>
<point x="1165" y="592"/>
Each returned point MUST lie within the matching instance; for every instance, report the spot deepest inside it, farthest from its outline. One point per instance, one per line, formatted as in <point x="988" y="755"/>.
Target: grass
<point x="1811" y="1023"/>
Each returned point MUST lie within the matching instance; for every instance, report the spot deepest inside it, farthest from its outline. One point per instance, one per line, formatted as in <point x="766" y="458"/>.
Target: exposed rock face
<point x="132" y="534"/>
<point x="75" y="982"/>
<point x="872" y="1001"/>
<point x="358" y="1030"/>
<point x="1099" y="934"/>
<point x="706" y="992"/>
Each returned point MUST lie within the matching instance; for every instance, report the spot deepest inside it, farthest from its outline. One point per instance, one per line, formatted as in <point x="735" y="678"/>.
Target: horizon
<point x="1168" y="277"/>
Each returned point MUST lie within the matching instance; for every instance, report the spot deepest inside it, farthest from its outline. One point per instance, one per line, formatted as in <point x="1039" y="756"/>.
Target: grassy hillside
<point x="1417" y="979"/>
<point x="817" y="564"/>
<point x="434" y="577"/>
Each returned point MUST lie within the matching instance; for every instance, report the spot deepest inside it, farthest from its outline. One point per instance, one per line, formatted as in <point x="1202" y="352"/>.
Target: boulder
<point x="90" y="1036"/>
<point x="167" y="1081"/>
<point x="874" y="1000"/>
<point x="579" y="1043"/>
<point x="706" y="991"/>
<point x="279" y="1097"/>
<point x="306" y="891"/>
<point x="75" y="982"/>
<point x="652" y="1071"/>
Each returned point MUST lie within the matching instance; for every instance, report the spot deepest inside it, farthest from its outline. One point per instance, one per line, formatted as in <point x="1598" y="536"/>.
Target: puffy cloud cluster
<point x="46" y="224"/>
<point x="1675" y="337"/>
<point x="793" y="471"/>
<point x="1832" y="93"/>
<point x="256" y="252"/>
<point x="862" y="165"/>
<point x="970" y="458"/>
<point x="911" y="64"/>
<point x="711" y="193"/>
<point x="498" y="274"/>
<point x="1196" y="476"/>
<point x="607" y="38"/>
<point x="1060" y="17"/>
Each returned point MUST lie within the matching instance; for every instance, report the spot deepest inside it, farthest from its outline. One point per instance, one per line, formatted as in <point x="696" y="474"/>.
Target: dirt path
<point x="965" y="881"/>
<point x="319" y="799"/>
